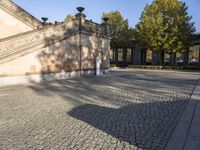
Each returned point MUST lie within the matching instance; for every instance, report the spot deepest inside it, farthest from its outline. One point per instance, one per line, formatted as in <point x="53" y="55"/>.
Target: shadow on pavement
<point x="147" y="125"/>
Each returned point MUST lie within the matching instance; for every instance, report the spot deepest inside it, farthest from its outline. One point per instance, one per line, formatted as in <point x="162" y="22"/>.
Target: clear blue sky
<point x="130" y="9"/>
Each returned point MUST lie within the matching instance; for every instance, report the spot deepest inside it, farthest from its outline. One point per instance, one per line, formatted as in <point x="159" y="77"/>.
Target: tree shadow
<point x="62" y="56"/>
<point x="148" y="125"/>
<point x="141" y="110"/>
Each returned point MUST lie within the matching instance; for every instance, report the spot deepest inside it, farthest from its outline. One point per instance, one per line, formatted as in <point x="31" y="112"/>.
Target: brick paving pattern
<point x="120" y="110"/>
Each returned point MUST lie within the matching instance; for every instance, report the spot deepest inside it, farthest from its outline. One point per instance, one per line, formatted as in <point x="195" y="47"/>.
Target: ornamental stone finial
<point x="80" y="14"/>
<point x="44" y="19"/>
<point x="80" y="9"/>
<point x="105" y="19"/>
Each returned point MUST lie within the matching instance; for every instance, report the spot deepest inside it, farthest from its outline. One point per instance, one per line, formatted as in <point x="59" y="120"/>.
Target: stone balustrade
<point x="15" y="44"/>
<point x="92" y="27"/>
<point x="21" y="42"/>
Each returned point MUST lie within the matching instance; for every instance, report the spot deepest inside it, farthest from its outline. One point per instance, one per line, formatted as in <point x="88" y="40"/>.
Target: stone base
<point x="40" y="78"/>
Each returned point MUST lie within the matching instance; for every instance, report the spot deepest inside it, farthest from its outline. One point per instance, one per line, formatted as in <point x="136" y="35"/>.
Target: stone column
<point x="186" y="56"/>
<point x="113" y="55"/>
<point x="144" y="56"/>
<point x="199" y="53"/>
<point x="132" y="55"/>
<point x="155" y="58"/>
<point x="116" y="56"/>
<point x="137" y="56"/>
<point x="158" y="58"/>
<point x="173" y="59"/>
<point x="106" y="26"/>
<point x="124" y="56"/>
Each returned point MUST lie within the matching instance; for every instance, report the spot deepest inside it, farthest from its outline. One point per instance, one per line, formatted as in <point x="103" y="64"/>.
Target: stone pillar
<point x="199" y="53"/>
<point x="124" y="56"/>
<point x="137" y="56"/>
<point x="155" y="58"/>
<point x="144" y="56"/>
<point x="162" y="58"/>
<point x="158" y="58"/>
<point x="106" y="26"/>
<point x="113" y="55"/>
<point x="186" y="56"/>
<point x="132" y="55"/>
<point x="116" y="56"/>
<point x="173" y="59"/>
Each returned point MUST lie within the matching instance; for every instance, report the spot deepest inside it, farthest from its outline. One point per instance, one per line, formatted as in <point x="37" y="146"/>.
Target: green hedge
<point x="113" y="65"/>
<point x="165" y="67"/>
<point x="145" y="66"/>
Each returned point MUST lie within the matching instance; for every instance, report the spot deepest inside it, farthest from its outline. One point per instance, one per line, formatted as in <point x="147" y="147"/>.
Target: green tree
<point x="120" y="32"/>
<point x="69" y="18"/>
<point x="165" y="27"/>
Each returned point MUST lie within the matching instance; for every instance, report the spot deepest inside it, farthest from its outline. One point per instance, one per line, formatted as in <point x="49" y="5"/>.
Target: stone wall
<point x="9" y="25"/>
<point x="56" y="49"/>
<point x="57" y="57"/>
<point x="15" y="20"/>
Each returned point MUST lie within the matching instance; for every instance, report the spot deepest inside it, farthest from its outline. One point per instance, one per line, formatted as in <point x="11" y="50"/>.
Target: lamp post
<point x="80" y="16"/>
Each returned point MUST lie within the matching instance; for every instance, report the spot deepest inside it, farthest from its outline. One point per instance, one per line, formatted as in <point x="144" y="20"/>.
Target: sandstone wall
<point x="58" y="51"/>
<point x="9" y="25"/>
<point x="93" y="46"/>
<point x="62" y="56"/>
<point x="58" y="57"/>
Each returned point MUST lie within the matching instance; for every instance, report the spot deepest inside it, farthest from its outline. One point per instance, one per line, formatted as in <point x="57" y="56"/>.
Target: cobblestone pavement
<point x="121" y="110"/>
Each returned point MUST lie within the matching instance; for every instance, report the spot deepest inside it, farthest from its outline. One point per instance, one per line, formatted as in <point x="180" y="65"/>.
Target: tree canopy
<point x="69" y="18"/>
<point x="165" y="26"/>
<point x="121" y="34"/>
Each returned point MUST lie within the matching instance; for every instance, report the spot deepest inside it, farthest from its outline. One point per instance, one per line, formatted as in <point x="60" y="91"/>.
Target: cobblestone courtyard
<point x="121" y="110"/>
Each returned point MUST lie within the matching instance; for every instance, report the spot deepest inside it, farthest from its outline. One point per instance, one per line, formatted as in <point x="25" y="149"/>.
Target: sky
<point x="56" y="10"/>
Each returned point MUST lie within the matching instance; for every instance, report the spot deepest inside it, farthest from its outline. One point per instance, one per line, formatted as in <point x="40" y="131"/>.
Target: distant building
<point x="136" y="56"/>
